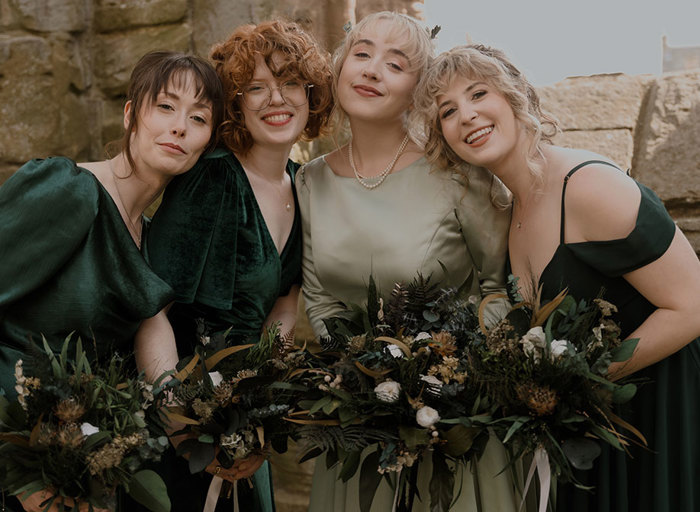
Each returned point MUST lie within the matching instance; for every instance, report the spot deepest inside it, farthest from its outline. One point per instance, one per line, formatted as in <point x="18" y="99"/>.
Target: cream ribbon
<point x="396" y="494"/>
<point x="540" y="461"/>
<point x="215" y="490"/>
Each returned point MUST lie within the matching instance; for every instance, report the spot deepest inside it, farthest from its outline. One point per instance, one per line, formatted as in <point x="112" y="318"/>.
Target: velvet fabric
<point x="666" y="476"/>
<point x="209" y="241"/>
<point x="68" y="263"/>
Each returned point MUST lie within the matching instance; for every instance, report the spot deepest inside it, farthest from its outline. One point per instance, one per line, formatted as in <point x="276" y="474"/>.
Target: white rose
<point x="533" y="342"/>
<point x="388" y="391"/>
<point x="431" y="380"/>
<point x="88" y="429"/>
<point x="559" y="348"/>
<point x="216" y="378"/>
<point x="422" y="336"/>
<point x="427" y="416"/>
<point x="395" y="351"/>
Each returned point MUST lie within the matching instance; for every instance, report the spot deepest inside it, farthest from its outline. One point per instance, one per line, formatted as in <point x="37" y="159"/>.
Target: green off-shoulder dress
<point x="665" y="477"/>
<point x="68" y="264"/>
<point x="209" y="241"/>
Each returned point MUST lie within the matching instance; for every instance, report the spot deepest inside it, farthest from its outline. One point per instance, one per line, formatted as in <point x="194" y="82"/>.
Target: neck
<point x="268" y="162"/>
<point x="136" y="191"/>
<point x="514" y="172"/>
<point x="373" y="142"/>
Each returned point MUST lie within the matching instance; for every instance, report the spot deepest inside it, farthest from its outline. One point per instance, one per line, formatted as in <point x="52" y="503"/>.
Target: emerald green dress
<point x="209" y="241"/>
<point x="666" y="477"/>
<point x="68" y="264"/>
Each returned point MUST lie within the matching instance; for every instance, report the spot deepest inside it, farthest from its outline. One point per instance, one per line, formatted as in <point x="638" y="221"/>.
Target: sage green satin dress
<point x="209" y="241"/>
<point x="666" y="409"/>
<point x="413" y="222"/>
<point x="68" y="264"/>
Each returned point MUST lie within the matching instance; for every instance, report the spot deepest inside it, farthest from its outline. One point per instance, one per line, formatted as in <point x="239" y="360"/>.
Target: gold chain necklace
<point x="130" y="226"/>
<point x="364" y="180"/>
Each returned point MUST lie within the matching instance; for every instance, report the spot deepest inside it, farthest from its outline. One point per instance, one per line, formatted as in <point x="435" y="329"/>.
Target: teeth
<point x="278" y="118"/>
<point x="480" y="133"/>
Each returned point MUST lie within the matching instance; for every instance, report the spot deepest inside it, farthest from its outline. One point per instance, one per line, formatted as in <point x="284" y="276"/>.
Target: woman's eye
<point x="478" y="94"/>
<point x="396" y="66"/>
<point x="165" y="106"/>
<point x="200" y="119"/>
<point x="362" y="55"/>
<point x="447" y="113"/>
<point x="291" y="83"/>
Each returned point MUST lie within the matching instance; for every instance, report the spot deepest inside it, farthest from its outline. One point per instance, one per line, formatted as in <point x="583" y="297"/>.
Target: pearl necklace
<point x="364" y="180"/>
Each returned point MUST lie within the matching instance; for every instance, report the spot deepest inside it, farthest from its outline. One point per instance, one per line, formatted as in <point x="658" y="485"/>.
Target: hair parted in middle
<point x="418" y="47"/>
<point x="479" y="62"/>
<point x="302" y="58"/>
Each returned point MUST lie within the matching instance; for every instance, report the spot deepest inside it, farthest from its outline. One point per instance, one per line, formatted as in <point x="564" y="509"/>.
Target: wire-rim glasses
<point x="258" y="95"/>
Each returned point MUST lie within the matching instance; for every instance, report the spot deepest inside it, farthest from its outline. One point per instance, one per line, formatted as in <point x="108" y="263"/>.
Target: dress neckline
<point x="415" y="163"/>
<point x="280" y="253"/>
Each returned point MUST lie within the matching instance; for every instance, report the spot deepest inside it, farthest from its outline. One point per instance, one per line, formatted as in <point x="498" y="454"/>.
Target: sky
<point x="552" y="39"/>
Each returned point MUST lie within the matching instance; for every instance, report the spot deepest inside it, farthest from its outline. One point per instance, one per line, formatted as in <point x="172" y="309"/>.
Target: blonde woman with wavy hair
<point x="373" y="208"/>
<point x="581" y="223"/>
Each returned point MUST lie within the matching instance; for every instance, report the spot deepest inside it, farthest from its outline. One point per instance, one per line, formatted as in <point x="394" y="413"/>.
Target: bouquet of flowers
<point x="546" y="368"/>
<point x="232" y="399"/>
<point x="392" y="379"/>
<point x="79" y="432"/>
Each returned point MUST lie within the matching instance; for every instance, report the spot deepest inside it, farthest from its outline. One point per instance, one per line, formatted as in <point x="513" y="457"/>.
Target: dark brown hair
<point x="158" y="71"/>
<point x="234" y="60"/>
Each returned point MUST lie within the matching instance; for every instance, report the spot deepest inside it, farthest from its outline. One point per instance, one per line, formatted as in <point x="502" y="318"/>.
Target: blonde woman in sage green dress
<point x="374" y="207"/>
<point x="71" y="253"/>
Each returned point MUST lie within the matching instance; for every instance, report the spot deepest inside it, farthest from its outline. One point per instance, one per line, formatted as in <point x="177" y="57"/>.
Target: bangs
<point x="184" y="79"/>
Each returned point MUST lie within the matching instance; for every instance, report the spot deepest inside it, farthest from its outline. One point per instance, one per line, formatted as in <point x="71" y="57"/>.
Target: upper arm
<point x="47" y="209"/>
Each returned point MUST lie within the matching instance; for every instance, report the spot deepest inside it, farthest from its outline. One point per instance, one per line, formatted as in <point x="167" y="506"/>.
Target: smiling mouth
<point x="366" y="90"/>
<point x="277" y="118"/>
<point x="476" y="135"/>
<point x="174" y="146"/>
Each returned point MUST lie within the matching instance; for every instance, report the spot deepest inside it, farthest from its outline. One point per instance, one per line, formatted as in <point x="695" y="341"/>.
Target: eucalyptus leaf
<point x="581" y="452"/>
<point x="201" y="456"/>
<point x="625" y="350"/>
<point x="459" y="440"/>
<point x="623" y="394"/>
<point x="441" y="484"/>
<point x="148" y="488"/>
<point x="320" y="404"/>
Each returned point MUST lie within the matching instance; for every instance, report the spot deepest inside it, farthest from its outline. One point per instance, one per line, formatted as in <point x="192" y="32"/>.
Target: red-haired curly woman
<point x="227" y="238"/>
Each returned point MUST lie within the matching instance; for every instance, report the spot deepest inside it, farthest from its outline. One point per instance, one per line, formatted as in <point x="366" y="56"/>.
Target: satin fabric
<point x="666" y="476"/>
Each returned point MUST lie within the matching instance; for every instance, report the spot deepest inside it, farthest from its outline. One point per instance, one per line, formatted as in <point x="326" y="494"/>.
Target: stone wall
<point x="64" y="64"/>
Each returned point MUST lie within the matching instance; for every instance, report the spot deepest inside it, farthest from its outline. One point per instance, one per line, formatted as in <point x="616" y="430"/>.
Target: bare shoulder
<point x="602" y="201"/>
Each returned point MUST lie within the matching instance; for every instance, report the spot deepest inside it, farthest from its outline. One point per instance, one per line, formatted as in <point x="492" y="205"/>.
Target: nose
<point x="178" y="128"/>
<point x="276" y="96"/>
<point x="468" y="114"/>
<point x="370" y="71"/>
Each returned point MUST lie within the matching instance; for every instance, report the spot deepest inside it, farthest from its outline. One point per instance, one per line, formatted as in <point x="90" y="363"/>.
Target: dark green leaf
<point x="623" y="394"/>
<point x="369" y="481"/>
<point x="625" y="350"/>
<point x="148" y="488"/>
<point x="320" y="404"/>
<point x="201" y="456"/>
<point x="459" y="440"/>
<point x="413" y="437"/>
<point x="311" y="454"/>
<point x="350" y="465"/>
<point x="441" y="484"/>
<point x="581" y="452"/>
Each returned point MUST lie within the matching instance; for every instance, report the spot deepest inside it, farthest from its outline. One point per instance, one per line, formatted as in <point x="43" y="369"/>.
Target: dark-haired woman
<point x="227" y="236"/>
<point x="71" y="234"/>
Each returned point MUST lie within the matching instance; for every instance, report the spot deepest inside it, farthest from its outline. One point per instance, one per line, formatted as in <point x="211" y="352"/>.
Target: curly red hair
<point x="234" y="61"/>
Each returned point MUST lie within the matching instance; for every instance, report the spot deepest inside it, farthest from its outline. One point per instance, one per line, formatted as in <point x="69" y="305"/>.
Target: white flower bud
<point x="559" y="348"/>
<point x="216" y="378"/>
<point x="394" y="351"/>
<point x="87" y="429"/>
<point x="427" y="416"/>
<point x="422" y="336"/>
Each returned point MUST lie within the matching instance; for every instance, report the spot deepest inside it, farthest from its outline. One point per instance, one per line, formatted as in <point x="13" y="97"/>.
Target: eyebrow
<point x="395" y="51"/>
<point x="465" y="90"/>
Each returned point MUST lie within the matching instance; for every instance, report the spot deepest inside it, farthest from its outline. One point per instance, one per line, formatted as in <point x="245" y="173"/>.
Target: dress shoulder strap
<point x="563" y="190"/>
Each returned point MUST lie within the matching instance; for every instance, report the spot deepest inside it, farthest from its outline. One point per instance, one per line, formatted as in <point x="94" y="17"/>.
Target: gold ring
<point x="217" y="470"/>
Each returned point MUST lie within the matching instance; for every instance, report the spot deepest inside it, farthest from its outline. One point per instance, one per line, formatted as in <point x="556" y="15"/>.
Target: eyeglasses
<point x="257" y="96"/>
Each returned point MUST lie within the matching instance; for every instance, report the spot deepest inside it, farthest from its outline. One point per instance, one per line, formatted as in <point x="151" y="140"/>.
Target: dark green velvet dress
<point x="209" y="241"/>
<point x="68" y="263"/>
<point x="666" y="409"/>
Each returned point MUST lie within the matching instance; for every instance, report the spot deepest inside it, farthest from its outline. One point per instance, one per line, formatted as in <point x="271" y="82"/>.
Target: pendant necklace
<point x="287" y="205"/>
<point x="130" y="226"/>
<point x="366" y="181"/>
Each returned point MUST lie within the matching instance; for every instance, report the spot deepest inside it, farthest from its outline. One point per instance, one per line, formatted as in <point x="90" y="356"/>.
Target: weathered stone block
<point x="618" y="145"/>
<point x="68" y="64"/>
<point x="8" y="19"/>
<point x="27" y="99"/>
<point x="75" y="122"/>
<point x="596" y="102"/>
<point x="113" y="15"/>
<point x="52" y="15"/>
<point x="117" y="53"/>
<point x="214" y="20"/>
<point x="668" y="158"/>
<point x="112" y="119"/>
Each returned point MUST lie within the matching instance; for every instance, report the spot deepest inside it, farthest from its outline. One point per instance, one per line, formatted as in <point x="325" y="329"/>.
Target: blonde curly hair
<point x="479" y="62"/>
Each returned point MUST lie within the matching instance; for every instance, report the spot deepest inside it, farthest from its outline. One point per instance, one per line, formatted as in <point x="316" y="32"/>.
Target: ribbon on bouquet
<point x="214" y="492"/>
<point x="540" y="462"/>
<point x="396" y="493"/>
